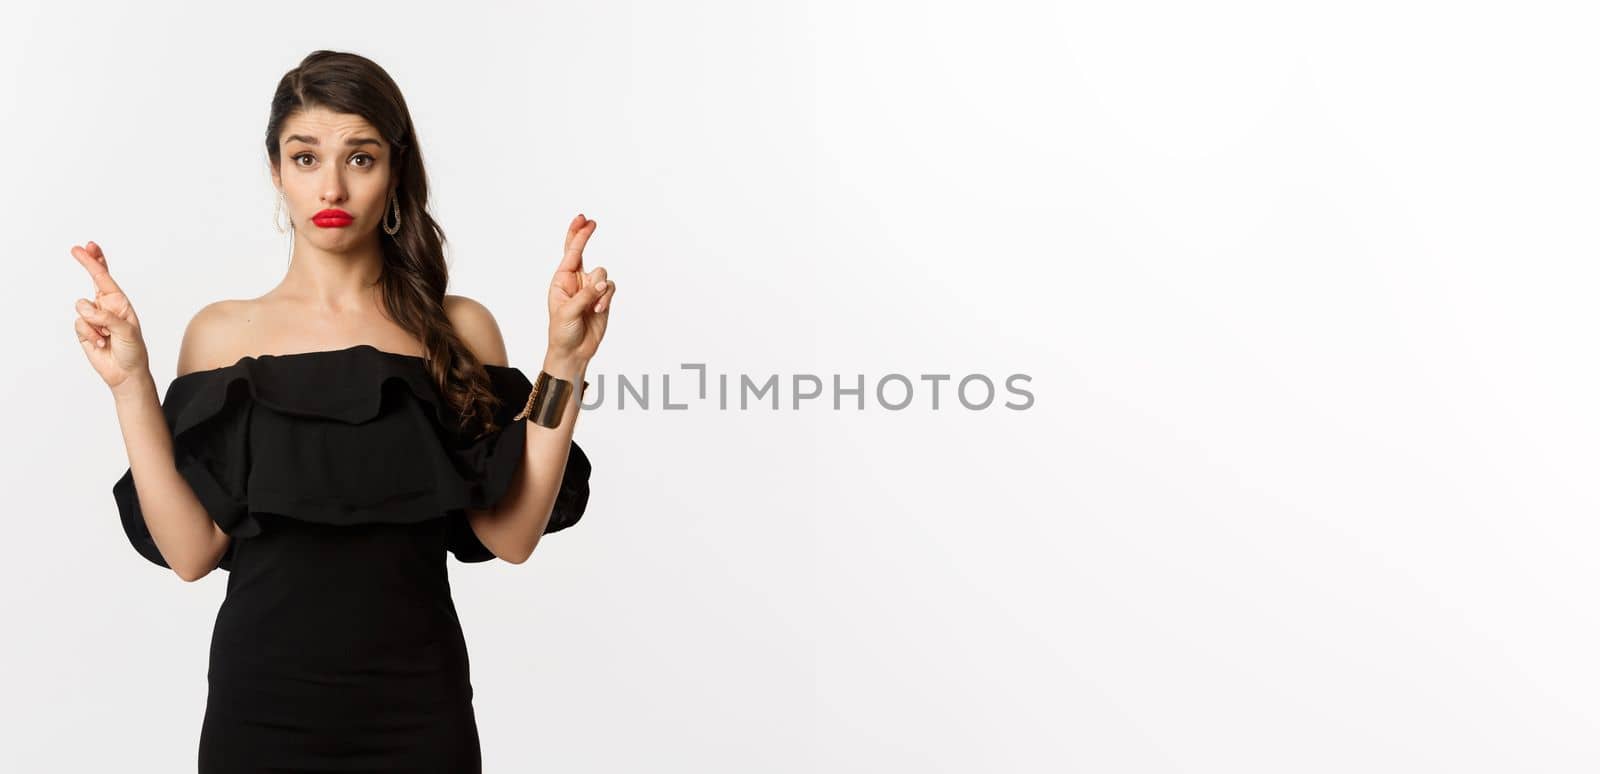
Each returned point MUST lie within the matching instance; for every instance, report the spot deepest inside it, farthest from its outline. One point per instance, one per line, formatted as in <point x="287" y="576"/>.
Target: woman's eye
<point x="362" y="156"/>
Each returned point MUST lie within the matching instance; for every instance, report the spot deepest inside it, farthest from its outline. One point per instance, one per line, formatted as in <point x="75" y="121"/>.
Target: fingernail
<point x="600" y="286"/>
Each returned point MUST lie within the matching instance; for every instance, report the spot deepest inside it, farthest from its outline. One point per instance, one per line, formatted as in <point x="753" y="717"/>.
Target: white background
<point x="1305" y="296"/>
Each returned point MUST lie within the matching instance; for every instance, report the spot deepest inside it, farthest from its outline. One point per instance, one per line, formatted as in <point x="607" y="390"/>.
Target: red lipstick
<point x="331" y="218"/>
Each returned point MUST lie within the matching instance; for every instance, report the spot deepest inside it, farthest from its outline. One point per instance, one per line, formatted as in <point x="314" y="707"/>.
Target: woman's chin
<point x="335" y="239"/>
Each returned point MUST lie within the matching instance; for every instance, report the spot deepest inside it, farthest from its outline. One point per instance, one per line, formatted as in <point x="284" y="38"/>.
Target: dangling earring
<point x="395" y="198"/>
<point x="277" y="211"/>
<point x="280" y="207"/>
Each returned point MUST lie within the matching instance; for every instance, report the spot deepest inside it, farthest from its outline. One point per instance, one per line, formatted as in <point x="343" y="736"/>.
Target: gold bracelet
<point x="547" y="400"/>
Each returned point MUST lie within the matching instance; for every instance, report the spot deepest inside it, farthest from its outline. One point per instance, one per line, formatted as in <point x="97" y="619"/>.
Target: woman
<point x="328" y="442"/>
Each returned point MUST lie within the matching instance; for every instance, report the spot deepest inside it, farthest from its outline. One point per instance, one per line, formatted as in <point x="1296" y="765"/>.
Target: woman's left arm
<point x="512" y="528"/>
<point x="580" y="308"/>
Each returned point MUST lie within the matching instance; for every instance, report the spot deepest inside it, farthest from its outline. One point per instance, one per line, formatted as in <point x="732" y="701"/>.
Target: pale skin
<point x="328" y="300"/>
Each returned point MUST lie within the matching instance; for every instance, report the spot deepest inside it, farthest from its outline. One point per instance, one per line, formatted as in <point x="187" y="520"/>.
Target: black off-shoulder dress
<point x="342" y="480"/>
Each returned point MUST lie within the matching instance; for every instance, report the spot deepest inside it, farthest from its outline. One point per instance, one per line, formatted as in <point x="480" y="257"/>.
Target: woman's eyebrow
<point x="352" y="142"/>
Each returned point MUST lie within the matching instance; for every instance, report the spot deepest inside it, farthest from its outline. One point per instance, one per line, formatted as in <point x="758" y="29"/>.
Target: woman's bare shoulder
<point x="211" y="339"/>
<point x="477" y="329"/>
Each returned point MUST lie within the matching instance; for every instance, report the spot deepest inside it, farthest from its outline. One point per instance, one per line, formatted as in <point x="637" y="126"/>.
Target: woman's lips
<point x="332" y="219"/>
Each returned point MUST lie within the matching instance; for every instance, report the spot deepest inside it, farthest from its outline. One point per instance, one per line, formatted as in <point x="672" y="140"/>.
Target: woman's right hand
<point x="107" y="327"/>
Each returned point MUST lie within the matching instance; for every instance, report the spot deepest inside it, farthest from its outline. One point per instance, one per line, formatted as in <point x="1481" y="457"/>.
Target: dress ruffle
<point x="342" y="437"/>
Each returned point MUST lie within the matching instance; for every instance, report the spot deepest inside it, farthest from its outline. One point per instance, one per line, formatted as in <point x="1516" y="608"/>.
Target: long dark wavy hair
<point x="414" y="274"/>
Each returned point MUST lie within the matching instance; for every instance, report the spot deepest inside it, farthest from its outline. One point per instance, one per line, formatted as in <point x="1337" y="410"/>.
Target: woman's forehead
<point x="324" y="124"/>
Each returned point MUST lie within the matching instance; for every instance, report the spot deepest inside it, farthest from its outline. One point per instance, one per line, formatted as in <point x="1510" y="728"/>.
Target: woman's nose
<point x="333" y="189"/>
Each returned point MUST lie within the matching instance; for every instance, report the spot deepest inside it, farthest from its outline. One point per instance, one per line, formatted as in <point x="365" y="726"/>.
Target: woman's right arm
<point x="187" y="537"/>
<point x="189" y="540"/>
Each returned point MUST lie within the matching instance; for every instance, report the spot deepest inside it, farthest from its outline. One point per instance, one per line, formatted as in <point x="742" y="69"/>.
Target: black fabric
<point x="342" y="480"/>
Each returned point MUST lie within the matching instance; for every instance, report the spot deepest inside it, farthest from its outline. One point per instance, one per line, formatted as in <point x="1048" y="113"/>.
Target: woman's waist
<point x="301" y="665"/>
<point x="359" y="586"/>
<point x="295" y="553"/>
<point x="316" y="629"/>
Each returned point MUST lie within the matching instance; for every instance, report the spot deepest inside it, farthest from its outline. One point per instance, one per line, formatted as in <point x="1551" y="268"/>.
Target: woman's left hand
<point x="580" y="302"/>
